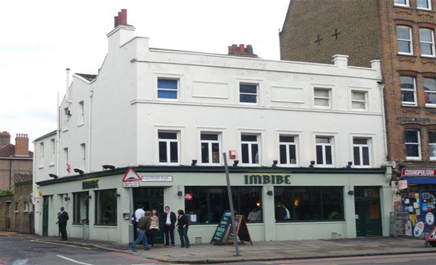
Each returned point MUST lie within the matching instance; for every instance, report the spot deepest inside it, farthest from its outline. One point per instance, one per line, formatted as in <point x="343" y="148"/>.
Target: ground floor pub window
<point x="209" y="203"/>
<point x="106" y="207"/>
<point x="81" y="208"/>
<point x="308" y="203"/>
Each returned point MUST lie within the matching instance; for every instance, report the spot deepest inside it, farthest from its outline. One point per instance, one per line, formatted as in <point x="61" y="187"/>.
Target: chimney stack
<point x="5" y="138"/>
<point x="121" y="19"/>
<point x="242" y="51"/>
<point x="21" y="145"/>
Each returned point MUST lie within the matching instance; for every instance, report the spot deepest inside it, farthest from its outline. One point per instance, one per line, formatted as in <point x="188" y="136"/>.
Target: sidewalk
<point x="260" y="251"/>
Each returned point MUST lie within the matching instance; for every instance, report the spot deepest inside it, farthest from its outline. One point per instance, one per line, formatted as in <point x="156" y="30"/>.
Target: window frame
<point x="429" y="92"/>
<point x="250" y="94"/>
<point x="76" y="197"/>
<point x="287" y="146"/>
<point x="423" y="8"/>
<point x="81" y="117"/>
<point x="412" y="143"/>
<point x="83" y="153"/>
<point x="168" y="147"/>
<point x="361" y="146"/>
<point x="415" y="97"/>
<point x="431" y="43"/>
<point x="210" y="151"/>
<point x="66" y="159"/>
<point x="403" y="5"/>
<point x="430" y="144"/>
<point x="329" y="98"/>
<point x="168" y="89"/>
<point x="250" y="149"/>
<point x="323" y="145"/>
<point x="114" y="201"/>
<point x="53" y="151"/>
<point x="365" y="101"/>
<point x="410" y="41"/>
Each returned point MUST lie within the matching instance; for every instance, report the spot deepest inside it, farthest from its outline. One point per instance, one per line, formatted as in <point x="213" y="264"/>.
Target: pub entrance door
<point x="368" y="214"/>
<point x="45" y="216"/>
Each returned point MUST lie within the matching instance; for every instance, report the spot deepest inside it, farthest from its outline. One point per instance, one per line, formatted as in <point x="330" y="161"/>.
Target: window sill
<point x="413" y="158"/>
<point x="403" y="6"/>
<point x="288" y="165"/>
<point x="309" y="221"/>
<point x="105" y="226"/>
<point x="80" y="125"/>
<point x="65" y="130"/>
<point x="407" y="54"/>
<point x="77" y="224"/>
<point x="408" y="105"/>
<point x="428" y="56"/>
<point x="51" y="165"/>
<point x="40" y="167"/>
<point x="430" y="106"/>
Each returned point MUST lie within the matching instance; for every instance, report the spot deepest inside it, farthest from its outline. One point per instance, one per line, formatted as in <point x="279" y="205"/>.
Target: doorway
<point x="8" y="221"/>
<point x="368" y="214"/>
<point x="45" y="216"/>
<point x="151" y="198"/>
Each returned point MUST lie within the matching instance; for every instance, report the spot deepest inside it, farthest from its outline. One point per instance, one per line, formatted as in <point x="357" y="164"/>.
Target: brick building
<point x="401" y="34"/>
<point x="16" y="163"/>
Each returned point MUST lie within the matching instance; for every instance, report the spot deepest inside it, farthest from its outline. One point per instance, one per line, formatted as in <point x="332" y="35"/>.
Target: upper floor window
<point x="210" y="148"/>
<point x="423" y="4"/>
<point x="83" y="151"/>
<point x="408" y="90"/>
<point x="413" y="145"/>
<point x="81" y="112"/>
<point x="361" y="152"/>
<point x="404" y="39"/>
<point x="288" y="150"/>
<point x="41" y="149"/>
<point x="401" y="2"/>
<point x="430" y="91"/>
<point x="250" y="149"/>
<point x="358" y="100"/>
<point x="324" y="151"/>
<point x="167" y="88"/>
<point x="322" y="97"/>
<point x="53" y="151"/>
<point x="67" y="165"/>
<point x="432" y="144"/>
<point x="426" y="39"/>
<point x="67" y="115"/>
<point x="168" y="147"/>
<point x="248" y="93"/>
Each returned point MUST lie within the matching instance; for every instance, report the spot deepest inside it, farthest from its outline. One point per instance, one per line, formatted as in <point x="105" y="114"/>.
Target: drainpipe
<point x="381" y="86"/>
<point x="91" y="95"/>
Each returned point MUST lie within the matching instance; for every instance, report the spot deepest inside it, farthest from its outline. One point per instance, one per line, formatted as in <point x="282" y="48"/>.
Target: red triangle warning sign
<point x="131" y="175"/>
<point x="432" y="236"/>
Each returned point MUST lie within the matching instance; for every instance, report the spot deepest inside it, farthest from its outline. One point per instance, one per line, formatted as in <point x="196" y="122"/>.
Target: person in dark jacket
<point x="142" y="227"/>
<point x="183" y="224"/>
<point x="169" y="219"/>
<point x="62" y="221"/>
<point x="280" y="212"/>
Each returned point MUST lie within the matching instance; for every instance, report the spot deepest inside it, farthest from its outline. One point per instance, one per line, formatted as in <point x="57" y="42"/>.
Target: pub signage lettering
<point x="418" y="172"/>
<point x="267" y="179"/>
<point x="90" y="184"/>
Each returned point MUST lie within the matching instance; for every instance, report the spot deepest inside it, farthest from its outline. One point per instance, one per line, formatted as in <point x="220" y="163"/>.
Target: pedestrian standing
<point x="154" y="227"/>
<point x="183" y="224"/>
<point x="169" y="218"/>
<point x="142" y="227"/>
<point x="139" y="213"/>
<point x="62" y="221"/>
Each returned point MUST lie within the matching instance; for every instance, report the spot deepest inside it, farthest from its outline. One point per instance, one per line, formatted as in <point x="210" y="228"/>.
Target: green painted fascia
<point x="199" y="169"/>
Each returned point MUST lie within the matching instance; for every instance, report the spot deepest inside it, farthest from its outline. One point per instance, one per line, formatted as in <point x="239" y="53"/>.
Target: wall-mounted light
<point x="350" y="163"/>
<point x="270" y="193"/>
<point x="88" y="197"/>
<point x="77" y="170"/>
<point x="110" y="167"/>
<point x="53" y="176"/>
<point x="180" y="193"/>
<point x="116" y="195"/>
<point x="194" y="162"/>
<point x="235" y="163"/>
<point x="312" y="163"/>
<point x="351" y="192"/>
<point x="275" y="162"/>
<point x="67" y="198"/>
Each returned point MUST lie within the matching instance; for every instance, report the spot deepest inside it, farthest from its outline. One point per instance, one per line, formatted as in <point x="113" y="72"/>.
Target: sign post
<point x="232" y="211"/>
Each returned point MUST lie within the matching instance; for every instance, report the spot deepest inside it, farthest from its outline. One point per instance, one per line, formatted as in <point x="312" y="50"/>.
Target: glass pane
<point x="248" y="89"/>
<point x="430" y="84"/>
<point x="167" y="135"/>
<point x="360" y="141"/>
<point x="322" y="93"/>
<point x="356" y="151"/>
<point x="106" y="207"/>
<point x="408" y="96"/>
<point x="248" y="98"/>
<point x="307" y="203"/>
<point x="204" y="153"/>
<point x="404" y="46"/>
<point x="358" y="95"/>
<point x="249" y="138"/>
<point x="432" y="137"/>
<point x="425" y="35"/>
<point x="321" y="102"/>
<point x="332" y="203"/>
<point x="245" y="154"/>
<point x="283" y="159"/>
<point x="166" y="83"/>
<point x="250" y="204"/>
<point x="365" y="154"/>
<point x="215" y="153"/>
<point x="286" y="139"/>
<point x="403" y="33"/>
<point x="255" y="153"/>
<point x="372" y="210"/>
<point x="174" y="152"/>
<point x="412" y="150"/>
<point x="422" y="4"/>
<point x="411" y="136"/>
<point x="328" y="155"/>
<point x="430" y="98"/>
<point x="163" y="152"/>
<point x="407" y="82"/>
<point x="426" y="48"/>
<point x="432" y="150"/>
<point x="358" y="105"/>
<point x="209" y="137"/>
<point x="319" y="155"/>
<point x="292" y="154"/>
<point x="323" y="140"/>
<point x="167" y="94"/>
<point x="401" y="2"/>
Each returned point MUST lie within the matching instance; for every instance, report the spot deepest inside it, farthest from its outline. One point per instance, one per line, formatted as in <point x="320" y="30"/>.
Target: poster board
<point x="221" y="230"/>
<point x="241" y="230"/>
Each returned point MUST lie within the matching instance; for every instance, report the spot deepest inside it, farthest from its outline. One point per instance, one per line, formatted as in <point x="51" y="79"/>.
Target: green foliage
<point x="6" y="192"/>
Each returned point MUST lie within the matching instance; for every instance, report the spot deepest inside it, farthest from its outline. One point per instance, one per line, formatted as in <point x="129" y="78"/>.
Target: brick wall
<point x="20" y="207"/>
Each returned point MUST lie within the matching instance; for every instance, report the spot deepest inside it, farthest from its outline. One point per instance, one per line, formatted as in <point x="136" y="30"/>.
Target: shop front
<point x="279" y="204"/>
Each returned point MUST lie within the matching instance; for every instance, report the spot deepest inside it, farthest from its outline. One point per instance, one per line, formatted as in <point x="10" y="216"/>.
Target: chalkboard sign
<point x="220" y="232"/>
<point x="241" y="230"/>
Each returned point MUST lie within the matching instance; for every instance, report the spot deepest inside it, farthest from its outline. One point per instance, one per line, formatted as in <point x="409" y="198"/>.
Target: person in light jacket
<point x="183" y="224"/>
<point x="154" y="227"/>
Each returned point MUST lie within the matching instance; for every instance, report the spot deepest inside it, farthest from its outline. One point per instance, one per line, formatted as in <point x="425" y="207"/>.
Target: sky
<point x="40" y="39"/>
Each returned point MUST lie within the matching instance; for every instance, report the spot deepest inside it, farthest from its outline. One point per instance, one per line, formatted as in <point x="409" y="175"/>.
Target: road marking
<point x="72" y="260"/>
<point x="20" y="262"/>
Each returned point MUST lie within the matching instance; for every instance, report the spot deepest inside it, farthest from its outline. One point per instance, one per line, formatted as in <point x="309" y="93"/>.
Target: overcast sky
<point x="40" y="39"/>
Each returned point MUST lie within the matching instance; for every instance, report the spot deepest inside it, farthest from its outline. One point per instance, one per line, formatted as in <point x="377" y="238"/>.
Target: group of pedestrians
<point x="147" y="225"/>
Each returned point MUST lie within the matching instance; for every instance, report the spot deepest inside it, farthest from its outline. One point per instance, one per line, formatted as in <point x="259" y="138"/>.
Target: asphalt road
<point x="22" y="251"/>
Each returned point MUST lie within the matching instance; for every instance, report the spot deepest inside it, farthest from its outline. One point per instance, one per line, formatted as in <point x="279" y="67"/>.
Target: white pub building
<point x="302" y="136"/>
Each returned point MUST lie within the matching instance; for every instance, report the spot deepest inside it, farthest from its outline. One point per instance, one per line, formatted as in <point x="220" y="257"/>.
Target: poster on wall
<point x="408" y="228"/>
<point x="419" y="228"/>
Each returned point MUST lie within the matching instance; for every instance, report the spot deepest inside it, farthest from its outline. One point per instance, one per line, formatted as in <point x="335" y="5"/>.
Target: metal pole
<point x="232" y="211"/>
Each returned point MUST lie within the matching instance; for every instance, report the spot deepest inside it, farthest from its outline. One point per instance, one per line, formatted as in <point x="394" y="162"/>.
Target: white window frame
<point x="66" y="158"/>
<point x="411" y="143"/>
<point x="361" y="146"/>
<point x="431" y="144"/>
<point x="287" y="145"/>
<point x="167" y="89"/>
<point x="323" y="145"/>
<point x="53" y="151"/>
<point x="406" y="5"/>
<point x="415" y="102"/>
<point x="423" y="8"/>
<point x="433" y="105"/>
<point x="41" y="154"/>
<point x="426" y="42"/>
<point x="209" y="143"/>
<point x="364" y="102"/>
<point x="168" y="147"/>
<point x="251" y="94"/>
<point x="66" y="118"/>
<point x="250" y="143"/>
<point x="83" y="152"/>
<point x="329" y="98"/>
<point x="81" y="120"/>
<point x="408" y="40"/>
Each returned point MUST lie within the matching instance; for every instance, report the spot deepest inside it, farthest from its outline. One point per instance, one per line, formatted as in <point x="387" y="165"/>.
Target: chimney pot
<point x="122" y="17"/>
<point x="242" y="48"/>
<point x="115" y="22"/>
